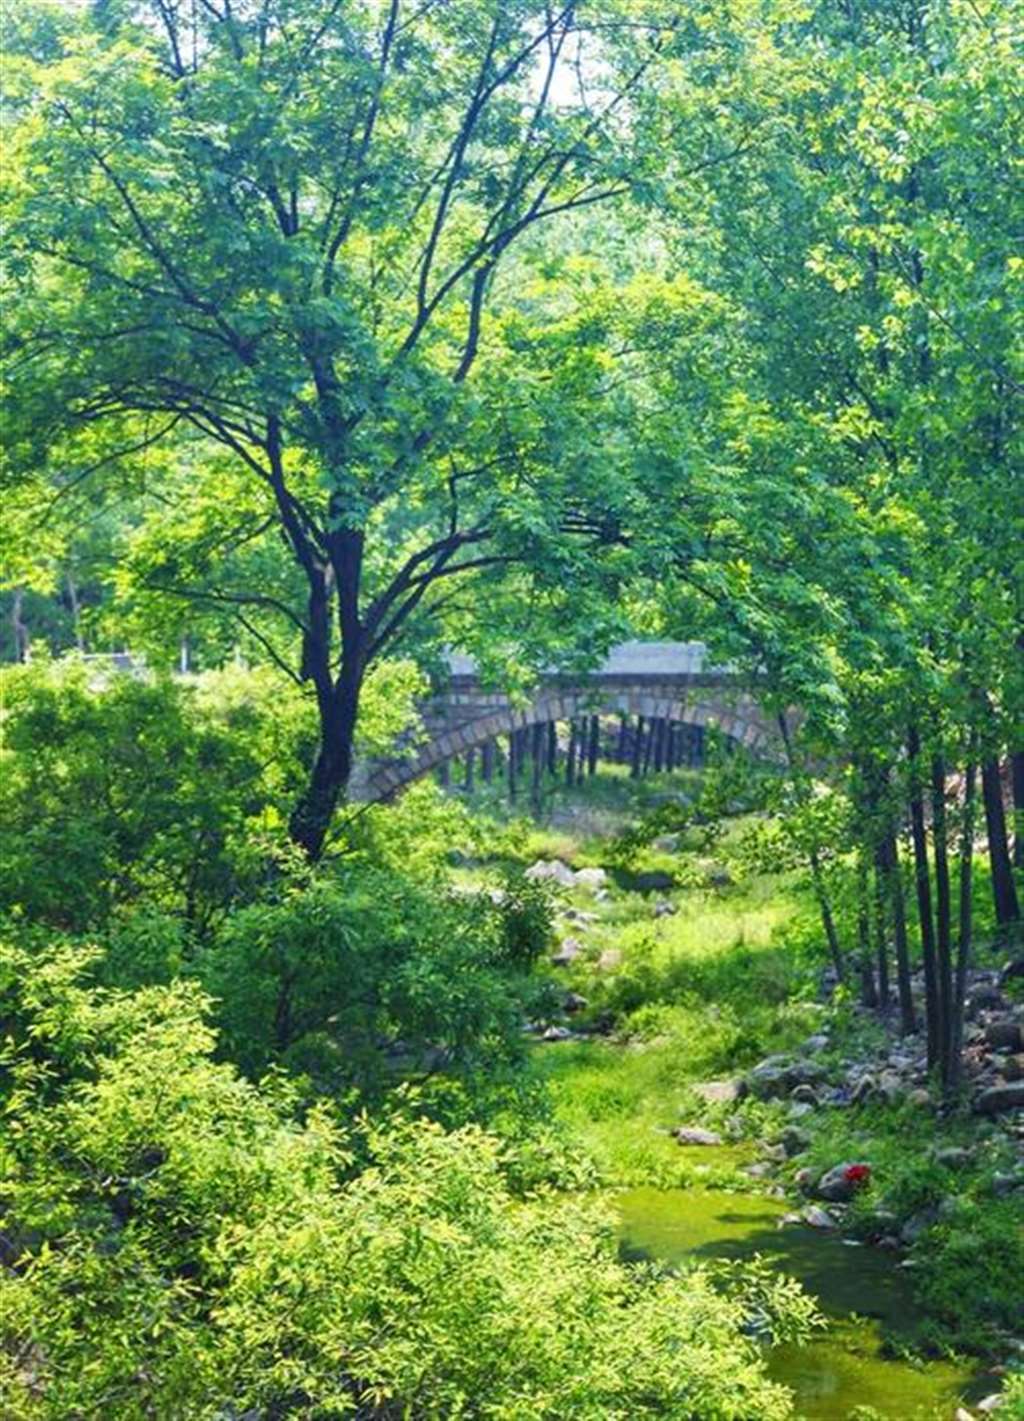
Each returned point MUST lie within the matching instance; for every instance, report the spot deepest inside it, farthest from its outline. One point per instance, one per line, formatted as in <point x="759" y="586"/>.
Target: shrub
<point x="180" y="1244"/>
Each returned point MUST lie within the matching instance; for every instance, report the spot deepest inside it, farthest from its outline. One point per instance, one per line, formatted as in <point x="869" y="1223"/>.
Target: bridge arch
<point x="448" y="736"/>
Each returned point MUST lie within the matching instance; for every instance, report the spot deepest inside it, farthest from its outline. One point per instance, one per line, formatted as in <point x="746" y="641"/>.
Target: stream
<point x="861" y="1291"/>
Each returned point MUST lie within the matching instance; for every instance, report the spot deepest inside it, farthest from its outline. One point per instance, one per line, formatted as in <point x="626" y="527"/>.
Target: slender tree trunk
<point x="487" y="761"/>
<point x="620" y="751"/>
<point x="469" y="780"/>
<point x="894" y="876"/>
<point x="963" y="955"/>
<point x="513" y="764"/>
<point x="593" y="744"/>
<point x="444" y="774"/>
<point x="882" y="929"/>
<point x="638" y="749"/>
<point x="943" y="908"/>
<point x="22" y="640"/>
<point x="814" y="859"/>
<point x="536" y="764"/>
<point x="552" y="743"/>
<point x="922" y="882"/>
<point x="1017" y="775"/>
<point x="868" y="990"/>
<point x="1004" y="891"/>
<point x="339" y="710"/>
<point x="570" y="757"/>
<point x="76" y="613"/>
<point x="652" y="727"/>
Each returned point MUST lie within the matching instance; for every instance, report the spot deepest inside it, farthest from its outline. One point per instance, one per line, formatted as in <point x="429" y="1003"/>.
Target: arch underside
<point x="739" y="718"/>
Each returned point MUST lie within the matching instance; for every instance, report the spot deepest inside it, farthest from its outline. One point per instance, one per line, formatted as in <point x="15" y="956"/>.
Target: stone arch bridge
<point x="670" y="687"/>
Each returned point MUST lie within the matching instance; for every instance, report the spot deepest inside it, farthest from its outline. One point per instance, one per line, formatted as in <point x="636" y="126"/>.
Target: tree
<point x="287" y="250"/>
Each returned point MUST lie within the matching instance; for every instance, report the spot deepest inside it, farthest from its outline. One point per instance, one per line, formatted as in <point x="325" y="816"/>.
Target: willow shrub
<point x="182" y="1243"/>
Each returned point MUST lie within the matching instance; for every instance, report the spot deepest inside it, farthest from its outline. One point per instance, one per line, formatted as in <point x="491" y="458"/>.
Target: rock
<point x="794" y="1141"/>
<point x="919" y="1097"/>
<point x="990" y="1403"/>
<point x="573" y="1002"/>
<point x="816" y="1043"/>
<point x="717" y="1092"/>
<point x="890" y="1087"/>
<point x="579" y="917"/>
<point x="1013" y="1067"/>
<point x="667" y="843"/>
<point x="555" y="872"/>
<point x="919" y="1223"/>
<point x="557" y="1033"/>
<point x="775" y="1154"/>
<point x="568" y="951"/>
<point x="805" y="1179"/>
<point x="1000" y="1097"/>
<point x="961" y="1415"/>
<point x="804" y="1095"/>
<point x="842" y="1181"/>
<point x="759" y="1171"/>
<point x="656" y="880"/>
<point x="1004" y="1034"/>
<point x="952" y="1157"/>
<point x="720" y="878"/>
<point x="985" y="997"/>
<point x="609" y="959"/>
<point x="863" y="1090"/>
<point x="799" y="1109"/>
<point x="818" y="1218"/>
<point x="1012" y="971"/>
<point x="779" y="1075"/>
<point x="591" y="877"/>
<point x="664" y="909"/>
<point x="694" y="1135"/>
<point x="1004" y="1184"/>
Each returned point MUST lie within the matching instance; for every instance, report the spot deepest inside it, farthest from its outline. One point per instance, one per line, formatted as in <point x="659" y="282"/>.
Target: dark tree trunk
<point x="552" y="747"/>
<point x="571" y="752"/>
<point x="638" y="749"/>
<point x="468" y="781"/>
<point x="922" y="882"/>
<point x="593" y="744"/>
<point x="620" y="750"/>
<point x="1004" y="891"/>
<point x="536" y="764"/>
<point x="339" y="710"/>
<point x="444" y="774"/>
<point x="652" y="732"/>
<point x="513" y="764"/>
<point x="487" y="761"/>
<point x="659" y="744"/>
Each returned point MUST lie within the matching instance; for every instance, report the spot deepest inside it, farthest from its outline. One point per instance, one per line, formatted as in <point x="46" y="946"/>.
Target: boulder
<point x="890" y="1088"/>
<point x="554" y="871"/>
<point x="568" y="951"/>
<point x="609" y="959"/>
<point x="804" y="1095"/>
<point x="720" y="878"/>
<point x="591" y="877"/>
<point x="864" y="1089"/>
<point x="655" y="880"/>
<point x="1012" y="971"/>
<point x="794" y="1141"/>
<point x="998" y="1098"/>
<point x="985" y="997"/>
<point x="990" y="1403"/>
<point x="805" y="1179"/>
<point x="573" y="1002"/>
<point x="777" y="1076"/>
<point x="919" y="1223"/>
<point x="952" y="1157"/>
<point x="664" y="909"/>
<point x="1013" y="1067"/>
<point x="1004" y="1034"/>
<point x="818" y="1218"/>
<point x="694" y="1135"/>
<point x="842" y="1181"/>
<point x="799" y="1108"/>
<point x="557" y="1033"/>
<point x="717" y="1092"/>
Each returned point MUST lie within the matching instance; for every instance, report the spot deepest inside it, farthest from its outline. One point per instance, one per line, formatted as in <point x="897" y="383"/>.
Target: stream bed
<point x="861" y="1291"/>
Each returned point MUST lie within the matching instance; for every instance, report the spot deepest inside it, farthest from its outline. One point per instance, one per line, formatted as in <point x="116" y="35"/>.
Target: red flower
<point x="857" y="1173"/>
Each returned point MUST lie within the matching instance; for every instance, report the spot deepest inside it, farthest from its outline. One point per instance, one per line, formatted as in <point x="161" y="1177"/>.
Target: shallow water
<point x="845" y="1367"/>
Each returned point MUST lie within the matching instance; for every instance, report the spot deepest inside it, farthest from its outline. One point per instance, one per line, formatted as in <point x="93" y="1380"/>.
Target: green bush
<point x="179" y="1243"/>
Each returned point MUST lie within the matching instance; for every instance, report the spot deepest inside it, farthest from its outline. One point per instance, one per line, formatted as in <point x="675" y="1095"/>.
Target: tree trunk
<point x="943" y="908"/>
<point x="513" y="765"/>
<point x="311" y="817"/>
<point x="1004" y="891"/>
<point x="536" y="764"/>
<point x="638" y="749"/>
<point x="469" y="781"/>
<point x="894" y="877"/>
<point x="868" y="991"/>
<point x="22" y="641"/>
<point x="1017" y="775"/>
<point x="620" y="752"/>
<point x="881" y="930"/>
<point x="963" y="955"/>
<point x="593" y="744"/>
<point x="487" y="761"/>
<point x="922" y="882"/>
<point x="570" y="757"/>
